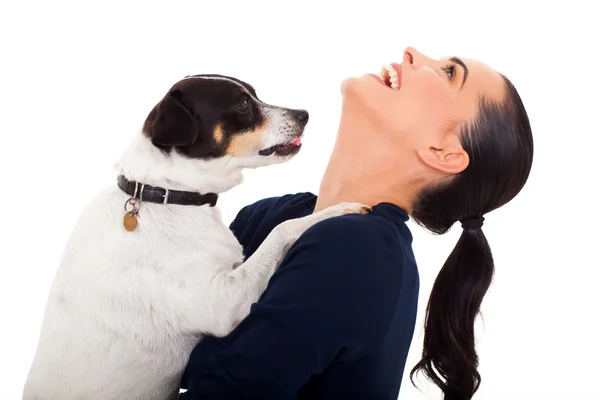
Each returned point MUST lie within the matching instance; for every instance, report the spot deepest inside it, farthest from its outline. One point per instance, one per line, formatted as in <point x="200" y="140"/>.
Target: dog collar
<point x="159" y="195"/>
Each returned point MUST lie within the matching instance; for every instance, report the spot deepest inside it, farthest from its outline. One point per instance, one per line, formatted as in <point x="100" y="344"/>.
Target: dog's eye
<point x="244" y="106"/>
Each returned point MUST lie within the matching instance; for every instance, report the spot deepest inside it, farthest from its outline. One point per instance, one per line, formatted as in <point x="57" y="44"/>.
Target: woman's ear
<point x="449" y="156"/>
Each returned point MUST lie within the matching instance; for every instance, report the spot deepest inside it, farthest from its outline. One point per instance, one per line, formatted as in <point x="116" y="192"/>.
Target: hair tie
<point x="472" y="223"/>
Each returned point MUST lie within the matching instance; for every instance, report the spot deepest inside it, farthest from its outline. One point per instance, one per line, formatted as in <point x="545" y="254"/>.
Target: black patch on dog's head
<point x="206" y="116"/>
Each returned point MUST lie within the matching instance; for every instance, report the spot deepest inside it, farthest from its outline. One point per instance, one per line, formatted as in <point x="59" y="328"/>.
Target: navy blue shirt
<point x="336" y="320"/>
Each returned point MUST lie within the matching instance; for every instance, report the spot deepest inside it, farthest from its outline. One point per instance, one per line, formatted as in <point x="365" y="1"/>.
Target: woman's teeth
<point x="390" y="77"/>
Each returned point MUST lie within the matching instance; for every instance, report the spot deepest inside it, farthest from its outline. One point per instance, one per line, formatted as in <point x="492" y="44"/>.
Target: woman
<point x="443" y="141"/>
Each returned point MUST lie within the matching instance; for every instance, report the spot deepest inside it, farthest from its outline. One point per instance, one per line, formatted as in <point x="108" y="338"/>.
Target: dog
<point x="150" y="267"/>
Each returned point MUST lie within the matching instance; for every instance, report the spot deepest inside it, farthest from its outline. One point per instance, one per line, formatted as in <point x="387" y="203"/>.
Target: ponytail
<point x="449" y="357"/>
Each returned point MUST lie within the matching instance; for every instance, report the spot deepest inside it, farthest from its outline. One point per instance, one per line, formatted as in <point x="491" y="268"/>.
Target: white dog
<point x="150" y="267"/>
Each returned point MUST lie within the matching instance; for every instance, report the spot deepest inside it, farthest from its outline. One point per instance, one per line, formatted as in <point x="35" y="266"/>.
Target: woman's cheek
<point x="434" y="94"/>
<point x="436" y="106"/>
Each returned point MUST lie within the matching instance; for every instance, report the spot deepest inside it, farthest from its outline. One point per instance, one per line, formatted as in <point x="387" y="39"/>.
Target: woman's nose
<point x="413" y="57"/>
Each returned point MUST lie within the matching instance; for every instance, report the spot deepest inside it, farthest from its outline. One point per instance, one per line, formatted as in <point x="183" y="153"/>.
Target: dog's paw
<point x="344" y="208"/>
<point x="356" y="208"/>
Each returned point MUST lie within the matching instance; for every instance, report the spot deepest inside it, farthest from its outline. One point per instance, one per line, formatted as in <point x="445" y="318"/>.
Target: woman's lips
<point x="378" y="78"/>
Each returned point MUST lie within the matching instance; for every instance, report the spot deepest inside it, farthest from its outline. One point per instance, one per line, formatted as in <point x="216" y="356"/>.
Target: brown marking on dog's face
<point x="247" y="143"/>
<point x="218" y="133"/>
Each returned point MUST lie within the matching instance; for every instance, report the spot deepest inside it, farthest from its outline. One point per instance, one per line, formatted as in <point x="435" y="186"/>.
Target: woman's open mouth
<point x="285" y="149"/>
<point x="391" y="75"/>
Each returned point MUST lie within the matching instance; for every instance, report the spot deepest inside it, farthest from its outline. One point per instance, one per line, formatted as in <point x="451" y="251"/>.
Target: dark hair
<point x="500" y="147"/>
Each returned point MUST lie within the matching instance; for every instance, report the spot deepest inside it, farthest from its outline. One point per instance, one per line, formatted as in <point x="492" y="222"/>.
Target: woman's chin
<point x="348" y="85"/>
<point x="362" y="86"/>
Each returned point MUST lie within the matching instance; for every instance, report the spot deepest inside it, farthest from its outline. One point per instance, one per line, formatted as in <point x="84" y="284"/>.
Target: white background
<point x="77" y="81"/>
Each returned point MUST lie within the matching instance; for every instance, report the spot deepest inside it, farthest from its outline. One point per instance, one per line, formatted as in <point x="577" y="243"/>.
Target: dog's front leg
<point x="234" y="291"/>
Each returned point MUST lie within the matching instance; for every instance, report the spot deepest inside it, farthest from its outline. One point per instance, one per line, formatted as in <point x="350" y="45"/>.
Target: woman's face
<point x="422" y="99"/>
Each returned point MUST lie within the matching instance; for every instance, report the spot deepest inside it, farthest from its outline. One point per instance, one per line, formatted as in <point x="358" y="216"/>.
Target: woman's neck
<point x="369" y="174"/>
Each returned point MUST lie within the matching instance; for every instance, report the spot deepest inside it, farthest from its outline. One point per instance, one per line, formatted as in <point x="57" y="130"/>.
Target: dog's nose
<point x="300" y="115"/>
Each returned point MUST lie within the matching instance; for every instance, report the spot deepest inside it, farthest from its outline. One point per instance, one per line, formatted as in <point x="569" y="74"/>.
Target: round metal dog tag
<point x="130" y="222"/>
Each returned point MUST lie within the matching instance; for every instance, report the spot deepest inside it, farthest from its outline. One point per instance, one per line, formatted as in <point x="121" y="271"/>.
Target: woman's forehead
<point x="483" y="80"/>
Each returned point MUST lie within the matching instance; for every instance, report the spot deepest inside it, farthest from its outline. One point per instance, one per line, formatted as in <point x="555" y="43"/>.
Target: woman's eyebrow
<point x="462" y="64"/>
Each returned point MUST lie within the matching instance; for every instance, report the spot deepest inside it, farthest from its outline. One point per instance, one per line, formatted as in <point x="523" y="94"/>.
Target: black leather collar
<point x="158" y="195"/>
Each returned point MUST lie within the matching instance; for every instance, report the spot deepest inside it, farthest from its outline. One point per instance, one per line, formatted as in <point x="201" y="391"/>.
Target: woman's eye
<point x="450" y="70"/>
<point x="244" y="105"/>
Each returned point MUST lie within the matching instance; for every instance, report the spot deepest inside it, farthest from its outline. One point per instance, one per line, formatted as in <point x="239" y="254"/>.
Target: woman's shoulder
<point x="294" y="204"/>
<point x="368" y="233"/>
<point x="359" y="242"/>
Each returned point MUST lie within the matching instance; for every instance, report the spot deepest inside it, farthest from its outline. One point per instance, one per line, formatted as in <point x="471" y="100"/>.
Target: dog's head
<point x="214" y="116"/>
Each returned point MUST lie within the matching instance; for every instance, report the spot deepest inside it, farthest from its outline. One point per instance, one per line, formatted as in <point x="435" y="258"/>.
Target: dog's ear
<point x="170" y="123"/>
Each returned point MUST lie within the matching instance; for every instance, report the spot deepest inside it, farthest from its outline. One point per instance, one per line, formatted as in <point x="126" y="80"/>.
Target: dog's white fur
<point x="126" y="308"/>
